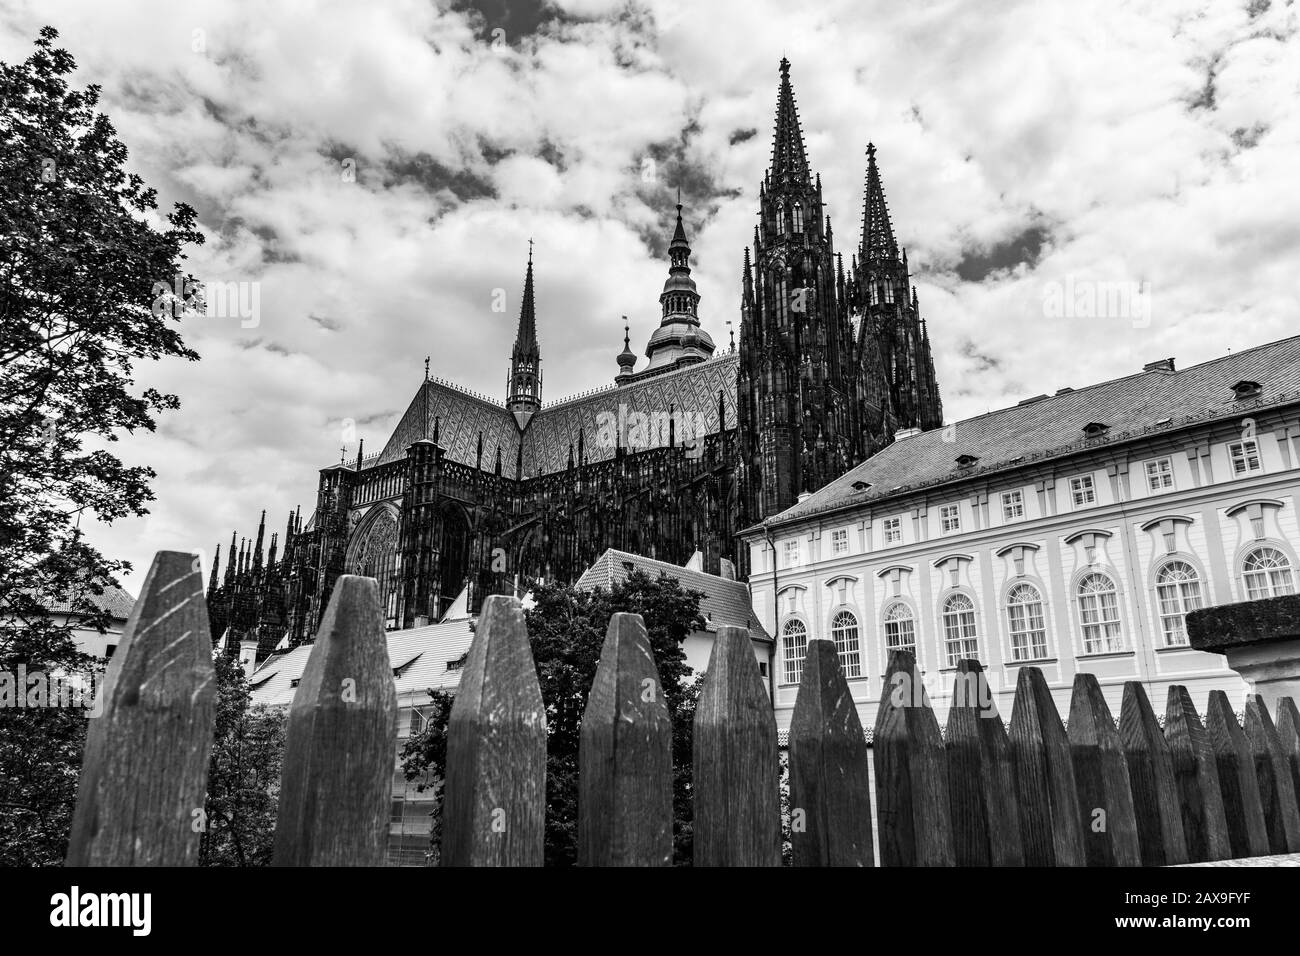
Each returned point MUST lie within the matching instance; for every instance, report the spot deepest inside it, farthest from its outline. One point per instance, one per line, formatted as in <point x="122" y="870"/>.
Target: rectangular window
<point x="790" y="554"/>
<point x="1160" y="474"/>
<point x="950" y="518"/>
<point x="893" y="530"/>
<point x="1245" y="456"/>
<point x="1013" y="505"/>
<point x="840" y="541"/>
<point x="1082" y="491"/>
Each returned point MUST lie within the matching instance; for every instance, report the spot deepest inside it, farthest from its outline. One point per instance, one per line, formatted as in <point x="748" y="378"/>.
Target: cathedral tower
<point x="797" y="381"/>
<point x="892" y="343"/>
<point x="524" y="388"/>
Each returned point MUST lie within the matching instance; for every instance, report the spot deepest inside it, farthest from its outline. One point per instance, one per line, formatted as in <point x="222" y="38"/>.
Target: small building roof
<point x="725" y="601"/>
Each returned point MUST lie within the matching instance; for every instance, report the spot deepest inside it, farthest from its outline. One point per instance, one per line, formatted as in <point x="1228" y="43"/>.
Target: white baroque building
<point x="1071" y="532"/>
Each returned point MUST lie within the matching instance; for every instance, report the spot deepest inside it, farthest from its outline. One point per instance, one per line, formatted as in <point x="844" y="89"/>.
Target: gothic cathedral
<point x="472" y="497"/>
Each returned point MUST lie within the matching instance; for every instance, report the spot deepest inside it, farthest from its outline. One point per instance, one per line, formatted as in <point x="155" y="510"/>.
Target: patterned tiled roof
<point x="725" y="601"/>
<point x="461" y="417"/>
<point x="1146" y="403"/>
<point x="117" y="602"/>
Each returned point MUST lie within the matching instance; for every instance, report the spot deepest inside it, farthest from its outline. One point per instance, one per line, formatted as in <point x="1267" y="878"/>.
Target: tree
<point x="566" y="630"/>
<point x="83" y="260"/>
<point x="243" y="774"/>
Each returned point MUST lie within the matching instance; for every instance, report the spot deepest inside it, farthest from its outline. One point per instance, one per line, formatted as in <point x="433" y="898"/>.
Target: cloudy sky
<point x="377" y="169"/>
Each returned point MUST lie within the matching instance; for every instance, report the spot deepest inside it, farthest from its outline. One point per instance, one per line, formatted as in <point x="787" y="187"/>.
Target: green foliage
<point x="566" y="629"/>
<point x="79" y="257"/>
<point x="243" y="774"/>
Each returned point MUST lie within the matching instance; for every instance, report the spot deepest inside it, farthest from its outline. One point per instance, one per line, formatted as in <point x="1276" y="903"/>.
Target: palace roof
<point x="1155" y="400"/>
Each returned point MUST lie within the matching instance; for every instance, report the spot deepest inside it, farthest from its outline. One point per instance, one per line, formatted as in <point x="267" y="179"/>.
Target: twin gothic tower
<point x="831" y="364"/>
<point x="473" y="496"/>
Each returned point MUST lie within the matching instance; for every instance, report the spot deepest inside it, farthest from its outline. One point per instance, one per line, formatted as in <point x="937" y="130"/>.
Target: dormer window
<point x="861" y="485"/>
<point x="967" y="461"/>
<point x="1095" y="429"/>
<point x="1246" y="389"/>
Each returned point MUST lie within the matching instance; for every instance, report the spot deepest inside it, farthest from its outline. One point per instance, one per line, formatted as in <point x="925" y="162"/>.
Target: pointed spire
<point x="360" y="452"/>
<point x="626" y="358"/>
<point x="288" y="531"/>
<point x="212" y="578"/>
<point x="524" y="389"/>
<point x="877" y="231"/>
<point x="257" y="549"/>
<point x="230" y="560"/>
<point x="789" y="160"/>
<point x="270" y="557"/>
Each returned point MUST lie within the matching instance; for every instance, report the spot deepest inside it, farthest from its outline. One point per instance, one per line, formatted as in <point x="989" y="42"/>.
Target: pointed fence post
<point x="1101" y="779"/>
<point x="911" y="772"/>
<point x="1151" y="778"/>
<point x="494" y="796"/>
<point x="830" y="789"/>
<point x="1040" y="752"/>
<point x="1277" y="792"/>
<point x="1196" y="776"/>
<point x="1237" y="781"/>
<point x="145" y="770"/>
<point x="1288" y="736"/>
<point x="737" y="798"/>
<point x="340" y="747"/>
<point x="625" y="756"/>
<point x="981" y="781"/>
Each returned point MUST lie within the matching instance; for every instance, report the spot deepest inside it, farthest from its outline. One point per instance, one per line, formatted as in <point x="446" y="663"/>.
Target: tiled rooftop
<point x="1144" y="403"/>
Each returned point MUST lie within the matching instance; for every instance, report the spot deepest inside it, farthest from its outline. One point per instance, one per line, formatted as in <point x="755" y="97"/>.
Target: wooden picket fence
<point x="1034" y="792"/>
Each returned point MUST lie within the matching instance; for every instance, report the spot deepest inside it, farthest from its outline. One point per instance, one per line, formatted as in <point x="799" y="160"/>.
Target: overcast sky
<point x="378" y="168"/>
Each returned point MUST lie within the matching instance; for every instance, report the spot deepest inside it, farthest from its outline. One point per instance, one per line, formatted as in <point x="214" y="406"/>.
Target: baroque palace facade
<point x="1071" y="532"/>
<point x="669" y="460"/>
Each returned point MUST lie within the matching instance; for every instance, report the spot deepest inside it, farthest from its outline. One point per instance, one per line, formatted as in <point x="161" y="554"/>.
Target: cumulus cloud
<point x="378" y="170"/>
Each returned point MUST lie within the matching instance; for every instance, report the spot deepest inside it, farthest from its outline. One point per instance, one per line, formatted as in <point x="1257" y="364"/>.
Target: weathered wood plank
<point x="1040" y="754"/>
<point x="830" y="787"/>
<point x="340" y="745"/>
<point x="1288" y="735"/>
<point x="981" y="780"/>
<point x="737" y="798"/>
<point x="1151" y="778"/>
<point x="145" y="768"/>
<point x="912" y="811"/>
<point x="1107" y="817"/>
<point x="494" y="796"/>
<point x="1277" y="792"/>
<point x="1237" y="781"/>
<point x="1196" y="775"/>
<point x="625" y="756"/>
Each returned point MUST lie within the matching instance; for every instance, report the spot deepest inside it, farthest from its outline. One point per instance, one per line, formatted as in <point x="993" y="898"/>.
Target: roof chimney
<point x="803" y="496"/>
<point x="906" y="433"/>
<point x="1162" y="365"/>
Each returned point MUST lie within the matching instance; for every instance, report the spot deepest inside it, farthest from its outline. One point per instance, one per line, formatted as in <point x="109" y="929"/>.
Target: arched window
<point x="1099" y="612"/>
<point x="1025" y="621"/>
<point x="844" y="631"/>
<point x="797" y="210"/>
<point x="1178" y="590"/>
<point x="959" y="629"/>
<point x="780" y="217"/>
<point x="1266" y="572"/>
<point x="794" y="648"/>
<point x="900" y="629"/>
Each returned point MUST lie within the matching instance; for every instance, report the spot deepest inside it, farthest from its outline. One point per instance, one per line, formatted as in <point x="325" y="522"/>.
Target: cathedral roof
<point x="1145" y="404"/>
<point x="460" y="417"/>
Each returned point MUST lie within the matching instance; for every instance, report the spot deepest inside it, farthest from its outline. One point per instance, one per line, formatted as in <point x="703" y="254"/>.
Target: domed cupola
<point x="679" y="340"/>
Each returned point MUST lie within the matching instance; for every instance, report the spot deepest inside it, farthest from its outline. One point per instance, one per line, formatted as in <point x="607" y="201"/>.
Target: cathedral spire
<point x="877" y="231"/>
<point x="524" y="396"/>
<point x="789" y="160"/>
